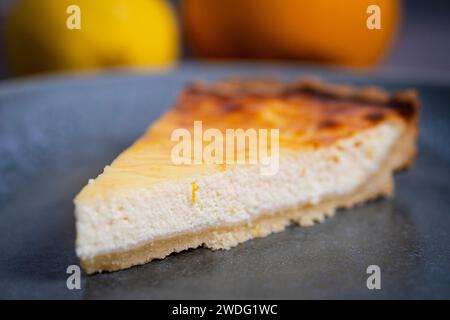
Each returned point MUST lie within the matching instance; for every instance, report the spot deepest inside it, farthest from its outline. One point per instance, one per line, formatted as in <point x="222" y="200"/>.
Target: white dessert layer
<point x="136" y="216"/>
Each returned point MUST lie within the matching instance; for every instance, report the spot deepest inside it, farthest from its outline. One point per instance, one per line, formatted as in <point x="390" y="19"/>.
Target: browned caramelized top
<point x="309" y="115"/>
<point x="306" y="111"/>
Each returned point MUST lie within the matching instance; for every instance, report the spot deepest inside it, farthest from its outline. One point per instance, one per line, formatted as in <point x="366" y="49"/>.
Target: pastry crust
<point x="330" y="112"/>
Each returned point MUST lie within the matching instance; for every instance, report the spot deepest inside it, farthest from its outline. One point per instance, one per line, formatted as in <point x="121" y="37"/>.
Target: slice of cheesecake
<point x="336" y="146"/>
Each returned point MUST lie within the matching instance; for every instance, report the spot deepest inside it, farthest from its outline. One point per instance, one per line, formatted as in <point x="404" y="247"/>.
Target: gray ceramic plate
<point x="57" y="132"/>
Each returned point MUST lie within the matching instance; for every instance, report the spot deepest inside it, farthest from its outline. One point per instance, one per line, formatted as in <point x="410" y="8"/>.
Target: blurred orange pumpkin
<point x="316" y="30"/>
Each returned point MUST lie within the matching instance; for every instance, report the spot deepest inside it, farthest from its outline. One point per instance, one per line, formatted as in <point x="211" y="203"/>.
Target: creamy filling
<point x="134" y="217"/>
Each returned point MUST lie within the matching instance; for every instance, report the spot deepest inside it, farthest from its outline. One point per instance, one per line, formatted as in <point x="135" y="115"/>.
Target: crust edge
<point x="405" y="102"/>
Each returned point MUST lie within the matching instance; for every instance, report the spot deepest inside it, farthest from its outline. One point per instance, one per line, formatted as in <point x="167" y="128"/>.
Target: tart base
<point x="225" y="237"/>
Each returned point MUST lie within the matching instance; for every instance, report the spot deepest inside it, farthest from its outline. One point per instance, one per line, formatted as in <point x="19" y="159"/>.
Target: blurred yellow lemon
<point x="42" y="35"/>
<point x="314" y="30"/>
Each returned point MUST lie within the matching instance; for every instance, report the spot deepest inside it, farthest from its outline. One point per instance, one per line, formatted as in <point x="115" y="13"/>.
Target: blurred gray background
<point x="423" y="43"/>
